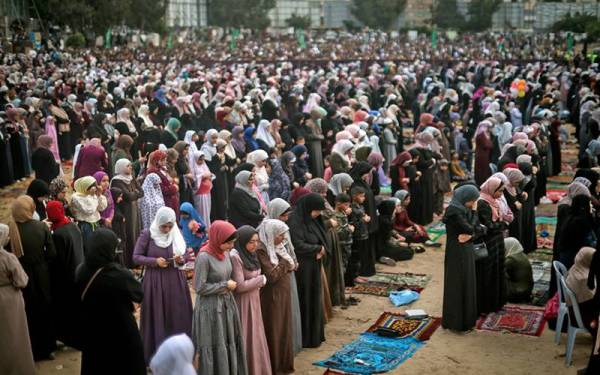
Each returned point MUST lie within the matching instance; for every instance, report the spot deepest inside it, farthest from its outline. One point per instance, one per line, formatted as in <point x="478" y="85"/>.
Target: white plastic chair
<point x="563" y="310"/>
<point x="574" y="327"/>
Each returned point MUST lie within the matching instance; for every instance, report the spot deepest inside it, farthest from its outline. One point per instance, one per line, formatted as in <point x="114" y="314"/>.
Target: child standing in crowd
<point x="358" y="220"/>
<point x="344" y="229"/>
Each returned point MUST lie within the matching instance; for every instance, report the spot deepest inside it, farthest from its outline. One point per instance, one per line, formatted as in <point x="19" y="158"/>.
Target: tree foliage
<point x="377" y="14"/>
<point x="480" y="14"/>
<point x="97" y="16"/>
<point x="251" y="14"/>
<point x="447" y="16"/>
<point x="298" y="22"/>
<point x="579" y="23"/>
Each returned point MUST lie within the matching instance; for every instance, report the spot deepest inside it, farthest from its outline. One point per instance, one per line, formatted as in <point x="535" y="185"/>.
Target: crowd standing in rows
<point x="270" y="183"/>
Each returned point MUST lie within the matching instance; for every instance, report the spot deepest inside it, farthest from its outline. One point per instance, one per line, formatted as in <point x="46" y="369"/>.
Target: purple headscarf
<point x="109" y="211"/>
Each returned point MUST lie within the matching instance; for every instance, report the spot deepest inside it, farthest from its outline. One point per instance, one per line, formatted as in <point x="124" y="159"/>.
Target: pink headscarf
<point x="51" y="132"/>
<point x="488" y="189"/>
<point x="505" y="212"/>
<point x="520" y="135"/>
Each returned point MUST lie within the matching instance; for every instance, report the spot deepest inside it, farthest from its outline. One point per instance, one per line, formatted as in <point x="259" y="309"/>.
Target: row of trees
<point x="149" y="15"/>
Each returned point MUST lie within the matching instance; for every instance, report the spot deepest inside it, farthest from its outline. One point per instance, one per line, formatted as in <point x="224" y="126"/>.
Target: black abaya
<point x="6" y="163"/>
<point x="220" y="191"/>
<point x="528" y="231"/>
<point x="44" y="165"/>
<point x="424" y="214"/>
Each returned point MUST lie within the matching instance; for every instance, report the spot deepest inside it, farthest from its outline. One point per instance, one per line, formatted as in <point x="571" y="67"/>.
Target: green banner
<point x="434" y="38"/>
<point x="300" y="39"/>
<point x="170" y="41"/>
<point x="108" y="38"/>
<point x="235" y="33"/>
<point x="570" y="43"/>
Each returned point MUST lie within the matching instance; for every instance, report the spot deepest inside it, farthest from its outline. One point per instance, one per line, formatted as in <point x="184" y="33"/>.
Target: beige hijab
<point x="22" y="211"/>
<point x="578" y="275"/>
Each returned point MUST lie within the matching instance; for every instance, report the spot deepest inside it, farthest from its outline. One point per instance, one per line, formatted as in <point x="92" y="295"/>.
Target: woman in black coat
<point x="360" y="173"/>
<point x="309" y="238"/>
<point x="460" y="289"/>
<point x="577" y="231"/>
<point x="42" y="160"/>
<point x="110" y="336"/>
<point x="244" y="206"/>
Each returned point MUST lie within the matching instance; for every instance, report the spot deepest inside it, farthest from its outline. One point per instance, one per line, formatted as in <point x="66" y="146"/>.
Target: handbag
<point x="480" y="251"/>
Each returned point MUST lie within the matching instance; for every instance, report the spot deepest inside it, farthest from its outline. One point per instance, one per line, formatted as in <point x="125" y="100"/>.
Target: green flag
<point x="108" y="38"/>
<point x="434" y="38"/>
<point x="570" y="43"/>
<point x="300" y="39"/>
<point x="170" y="41"/>
<point x="235" y="33"/>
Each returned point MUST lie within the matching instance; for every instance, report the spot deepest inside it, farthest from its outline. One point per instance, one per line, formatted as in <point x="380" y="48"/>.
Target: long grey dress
<point x="296" y="318"/>
<point x="216" y="328"/>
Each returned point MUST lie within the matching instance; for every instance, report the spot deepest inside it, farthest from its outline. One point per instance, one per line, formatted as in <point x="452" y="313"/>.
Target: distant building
<point x="186" y="13"/>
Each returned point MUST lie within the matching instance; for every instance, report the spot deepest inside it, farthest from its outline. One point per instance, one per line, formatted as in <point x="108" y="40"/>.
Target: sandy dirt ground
<point x="445" y="353"/>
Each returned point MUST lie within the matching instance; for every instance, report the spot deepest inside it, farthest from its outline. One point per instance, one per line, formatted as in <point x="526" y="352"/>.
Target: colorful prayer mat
<point x="523" y="320"/>
<point x="542" y="271"/>
<point x="421" y="329"/>
<point x="382" y="283"/>
<point x="547" y="210"/>
<point x="371" y="354"/>
<point x="436" y="231"/>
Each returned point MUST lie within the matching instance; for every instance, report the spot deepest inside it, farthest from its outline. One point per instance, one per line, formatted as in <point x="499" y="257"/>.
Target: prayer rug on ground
<point x="523" y="320"/>
<point x="542" y="271"/>
<point x="436" y="231"/>
<point x="421" y="329"/>
<point x="545" y="235"/>
<point x="382" y="283"/>
<point x="542" y="255"/>
<point x="372" y="354"/>
<point x="547" y="210"/>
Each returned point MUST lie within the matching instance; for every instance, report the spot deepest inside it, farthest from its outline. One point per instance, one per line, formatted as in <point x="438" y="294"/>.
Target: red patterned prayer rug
<point x="524" y="320"/>
<point x="421" y="329"/>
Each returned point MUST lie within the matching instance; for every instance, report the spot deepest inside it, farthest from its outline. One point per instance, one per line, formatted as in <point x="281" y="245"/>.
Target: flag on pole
<point x="434" y="38"/>
<point x="170" y="41"/>
<point x="300" y="39"/>
<point x="235" y="33"/>
<point x="570" y="42"/>
<point x="108" y="38"/>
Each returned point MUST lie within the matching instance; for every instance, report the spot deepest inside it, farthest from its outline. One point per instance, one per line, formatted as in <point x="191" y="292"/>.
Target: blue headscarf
<point x="161" y="95"/>
<point x="191" y="239"/>
<point x="250" y="141"/>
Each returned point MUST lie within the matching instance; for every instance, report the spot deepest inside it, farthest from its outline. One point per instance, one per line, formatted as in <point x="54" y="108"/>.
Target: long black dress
<point x="308" y="236"/>
<point x="44" y="165"/>
<point x="220" y="191"/>
<point x="491" y="293"/>
<point x="460" y="295"/>
<point x="38" y="251"/>
<point x="111" y="341"/>
<point x="65" y="297"/>
<point x="367" y="260"/>
<point x="528" y="232"/>
<point x="6" y="164"/>
<point x="424" y="201"/>
<point x="514" y="228"/>
<point x="244" y="209"/>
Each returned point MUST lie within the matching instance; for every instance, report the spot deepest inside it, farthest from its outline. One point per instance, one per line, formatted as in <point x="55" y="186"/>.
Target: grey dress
<point x="216" y="328"/>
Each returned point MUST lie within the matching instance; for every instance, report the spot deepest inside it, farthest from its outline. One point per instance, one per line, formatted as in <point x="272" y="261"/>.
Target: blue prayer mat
<point x="372" y="354"/>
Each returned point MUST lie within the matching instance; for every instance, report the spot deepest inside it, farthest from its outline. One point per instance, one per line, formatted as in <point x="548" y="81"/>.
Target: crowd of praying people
<point x="275" y="188"/>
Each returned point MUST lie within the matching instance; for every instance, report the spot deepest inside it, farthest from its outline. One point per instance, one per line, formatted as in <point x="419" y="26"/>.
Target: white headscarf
<point x="267" y="231"/>
<point x="264" y="134"/>
<point x="163" y="216"/>
<point x="209" y="149"/>
<point x="143" y="113"/>
<point x="120" y="168"/>
<point x="255" y="156"/>
<point x="123" y="115"/>
<point x="174" y="356"/>
<point x="342" y="148"/>
<point x="340" y="182"/>
<point x="198" y="170"/>
<point x="225" y="135"/>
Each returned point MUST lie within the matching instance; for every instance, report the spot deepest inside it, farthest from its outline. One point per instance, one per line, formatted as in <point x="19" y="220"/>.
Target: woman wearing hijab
<point x="279" y="209"/>
<point x="203" y="181"/>
<point x="577" y="281"/>
<point x="92" y="158"/>
<point x="157" y="164"/>
<point x="314" y="139"/>
<point x="238" y="142"/>
<point x="128" y="206"/>
<point x="360" y="173"/>
<point x="216" y="327"/>
<point x="341" y="155"/>
<point x="193" y="227"/>
<point x="264" y="137"/>
<point x="528" y="228"/>
<point x="411" y="231"/>
<point x="518" y="272"/>
<point x="460" y="282"/>
<point x="15" y="348"/>
<point x="219" y="164"/>
<point x="107" y="292"/>
<point x="122" y="150"/>
<point x="423" y="191"/>
<point x="483" y="152"/>
<point x="577" y="231"/>
<point x="167" y="306"/>
<point x="31" y="242"/>
<point x="310" y="241"/>
<point x="169" y="136"/>
<point x="244" y="206"/>
<point x="152" y="199"/>
<point x="339" y="183"/>
<point x="86" y="204"/>
<point x="250" y="140"/>
<point x="300" y="167"/>
<point x="247" y="275"/>
<point x="39" y="191"/>
<point x="103" y="185"/>
<point x="184" y="175"/>
<point x="259" y="159"/>
<point x="279" y="181"/>
<point x="399" y="173"/>
<point x="391" y="243"/>
<point x="42" y="160"/>
<point x="174" y="356"/>
<point x="276" y="305"/>
<point x="491" y="293"/>
<point x="69" y="255"/>
<point x="512" y="194"/>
